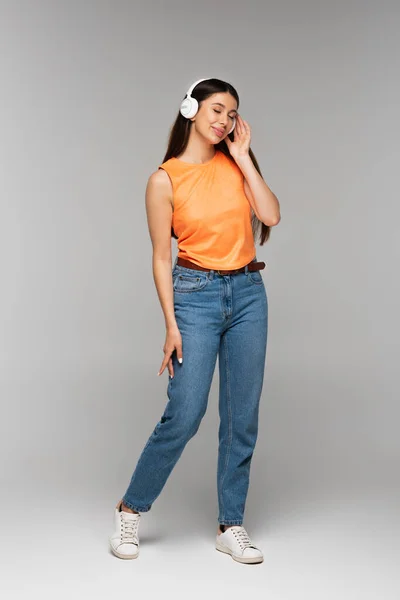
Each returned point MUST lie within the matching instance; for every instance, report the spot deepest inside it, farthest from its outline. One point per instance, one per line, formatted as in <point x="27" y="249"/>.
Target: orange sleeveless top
<point x="212" y="215"/>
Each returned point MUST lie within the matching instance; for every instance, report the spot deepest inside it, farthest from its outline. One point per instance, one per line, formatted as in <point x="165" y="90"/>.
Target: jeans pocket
<point x="256" y="277"/>
<point x="186" y="283"/>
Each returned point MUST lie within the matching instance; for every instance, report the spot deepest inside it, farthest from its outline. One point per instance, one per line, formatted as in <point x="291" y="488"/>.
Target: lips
<point x="219" y="132"/>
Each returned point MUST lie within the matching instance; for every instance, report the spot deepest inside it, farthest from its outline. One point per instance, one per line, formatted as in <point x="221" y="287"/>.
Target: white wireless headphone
<point x="190" y="106"/>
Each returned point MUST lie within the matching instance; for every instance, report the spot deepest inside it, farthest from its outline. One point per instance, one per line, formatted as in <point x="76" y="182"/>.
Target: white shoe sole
<point x="223" y="548"/>
<point x="124" y="556"/>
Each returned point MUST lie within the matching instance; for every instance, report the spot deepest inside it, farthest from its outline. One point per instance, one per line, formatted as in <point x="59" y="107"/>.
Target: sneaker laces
<point x="242" y="537"/>
<point x="129" y="529"/>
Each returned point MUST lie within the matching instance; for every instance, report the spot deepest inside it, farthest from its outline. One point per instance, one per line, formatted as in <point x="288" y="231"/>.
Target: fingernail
<point x="180" y="360"/>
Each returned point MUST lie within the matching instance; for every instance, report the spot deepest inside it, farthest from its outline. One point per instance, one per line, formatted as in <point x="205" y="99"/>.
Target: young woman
<point x="210" y="195"/>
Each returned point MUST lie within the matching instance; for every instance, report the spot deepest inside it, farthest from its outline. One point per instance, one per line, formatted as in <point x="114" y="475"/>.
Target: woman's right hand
<point x="173" y="341"/>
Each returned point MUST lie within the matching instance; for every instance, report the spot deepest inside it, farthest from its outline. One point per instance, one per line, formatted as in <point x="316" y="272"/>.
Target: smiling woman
<point x="213" y="114"/>
<point x="209" y="193"/>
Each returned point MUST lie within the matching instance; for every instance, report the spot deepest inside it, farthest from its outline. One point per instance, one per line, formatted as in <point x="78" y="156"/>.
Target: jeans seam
<point x="221" y="304"/>
<point x="228" y="398"/>
<point x="230" y="522"/>
<point x="137" y="508"/>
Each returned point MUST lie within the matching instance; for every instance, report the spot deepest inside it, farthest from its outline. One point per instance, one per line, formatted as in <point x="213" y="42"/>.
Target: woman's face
<point x="215" y="116"/>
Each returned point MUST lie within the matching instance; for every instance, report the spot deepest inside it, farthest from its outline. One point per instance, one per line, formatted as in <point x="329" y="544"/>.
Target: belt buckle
<point x="230" y="271"/>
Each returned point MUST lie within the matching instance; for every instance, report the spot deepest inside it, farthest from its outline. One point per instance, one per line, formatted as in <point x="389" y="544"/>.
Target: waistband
<point x="251" y="266"/>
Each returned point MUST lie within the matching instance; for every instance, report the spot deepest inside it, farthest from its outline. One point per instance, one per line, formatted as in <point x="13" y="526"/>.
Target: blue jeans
<point x="217" y="315"/>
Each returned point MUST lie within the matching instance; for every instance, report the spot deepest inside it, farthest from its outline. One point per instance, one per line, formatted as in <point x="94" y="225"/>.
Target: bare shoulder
<point x="160" y="180"/>
<point x="159" y="187"/>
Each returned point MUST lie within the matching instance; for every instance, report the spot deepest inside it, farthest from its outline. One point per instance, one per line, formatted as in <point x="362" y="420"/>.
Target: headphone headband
<point x="190" y="90"/>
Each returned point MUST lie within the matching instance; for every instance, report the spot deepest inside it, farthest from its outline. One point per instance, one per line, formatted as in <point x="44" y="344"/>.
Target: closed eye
<point x="219" y="112"/>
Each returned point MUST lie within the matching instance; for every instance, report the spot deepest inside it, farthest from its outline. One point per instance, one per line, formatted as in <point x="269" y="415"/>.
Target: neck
<point x="198" y="150"/>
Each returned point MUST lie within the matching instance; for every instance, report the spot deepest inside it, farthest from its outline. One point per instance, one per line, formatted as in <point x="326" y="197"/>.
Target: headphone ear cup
<point x="189" y="107"/>
<point x="233" y="125"/>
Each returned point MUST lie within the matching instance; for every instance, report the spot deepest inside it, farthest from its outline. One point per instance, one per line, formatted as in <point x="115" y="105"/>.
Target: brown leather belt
<point x="252" y="266"/>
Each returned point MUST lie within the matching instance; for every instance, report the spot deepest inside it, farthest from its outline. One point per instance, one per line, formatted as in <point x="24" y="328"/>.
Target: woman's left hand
<point x="241" y="139"/>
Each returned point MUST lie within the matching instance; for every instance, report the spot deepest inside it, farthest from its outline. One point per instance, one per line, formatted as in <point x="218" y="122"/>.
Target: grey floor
<point x="337" y="544"/>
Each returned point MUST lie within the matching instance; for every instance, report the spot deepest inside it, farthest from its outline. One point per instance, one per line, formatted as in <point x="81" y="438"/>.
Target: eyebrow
<point x="223" y="106"/>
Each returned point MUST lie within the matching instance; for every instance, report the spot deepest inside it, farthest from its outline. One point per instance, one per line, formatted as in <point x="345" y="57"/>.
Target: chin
<point x="211" y="140"/>
<point x="215" y="137"/>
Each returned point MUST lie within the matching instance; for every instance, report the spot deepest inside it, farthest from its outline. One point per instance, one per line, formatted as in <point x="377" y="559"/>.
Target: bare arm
<point x="262" y="200"/>
<point x="159" y="219"/>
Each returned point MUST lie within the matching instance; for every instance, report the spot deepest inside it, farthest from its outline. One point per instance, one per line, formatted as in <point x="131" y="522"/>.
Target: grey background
<point x="88" y="93"/>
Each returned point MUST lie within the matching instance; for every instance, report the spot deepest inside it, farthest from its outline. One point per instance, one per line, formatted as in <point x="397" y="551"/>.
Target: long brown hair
<point x="179" y="137"/>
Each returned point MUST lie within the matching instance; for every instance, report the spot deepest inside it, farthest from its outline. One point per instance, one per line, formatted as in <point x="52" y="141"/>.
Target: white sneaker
<point x="125" y="540"/>
<point x="236" y="542"/>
